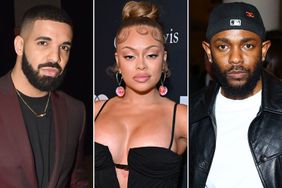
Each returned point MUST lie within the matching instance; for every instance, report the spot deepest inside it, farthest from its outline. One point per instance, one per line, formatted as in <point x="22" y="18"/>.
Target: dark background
<point x="199" y="11"/>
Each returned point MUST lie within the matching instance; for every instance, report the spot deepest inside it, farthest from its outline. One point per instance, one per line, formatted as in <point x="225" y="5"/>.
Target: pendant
<point x="41" y="115"/>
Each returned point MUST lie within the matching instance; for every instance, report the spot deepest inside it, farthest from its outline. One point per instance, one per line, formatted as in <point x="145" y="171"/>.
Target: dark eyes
<point x="150" y="56"/>
<point x="66" y="48"/>
<point x="153" y="56"/>
<point x="42" y="43"/>
<point x="222" y="47"/>
<point x="128" y="57"/>
<point x="249" y="46"/>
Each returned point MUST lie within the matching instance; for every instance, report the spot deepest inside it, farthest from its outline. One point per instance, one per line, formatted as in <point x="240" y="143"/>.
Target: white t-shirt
<point x="233" y="165"/>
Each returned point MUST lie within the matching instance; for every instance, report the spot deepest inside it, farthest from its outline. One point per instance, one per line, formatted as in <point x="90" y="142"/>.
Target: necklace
<point x="36" y="114"/>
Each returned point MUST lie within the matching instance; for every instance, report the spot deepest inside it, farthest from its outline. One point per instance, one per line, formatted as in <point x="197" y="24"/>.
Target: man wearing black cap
<point x="236" y="122"/>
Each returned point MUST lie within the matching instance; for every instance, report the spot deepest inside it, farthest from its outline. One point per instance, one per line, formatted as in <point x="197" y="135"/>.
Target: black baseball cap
<point x="237" y="15"/>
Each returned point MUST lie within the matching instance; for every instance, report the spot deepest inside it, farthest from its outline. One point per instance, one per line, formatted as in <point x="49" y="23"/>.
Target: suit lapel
<point x="13" y="122"/>
<point x="60" y="123"/>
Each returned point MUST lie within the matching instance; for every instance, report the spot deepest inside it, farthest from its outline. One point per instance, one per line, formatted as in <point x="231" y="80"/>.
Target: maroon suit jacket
<point x="17" y="167"/>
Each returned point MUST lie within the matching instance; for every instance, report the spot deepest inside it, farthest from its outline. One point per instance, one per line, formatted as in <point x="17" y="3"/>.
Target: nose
<point x="54" y="55"/>
<point x="141" y="65"/>
<point x="235" y="56"/>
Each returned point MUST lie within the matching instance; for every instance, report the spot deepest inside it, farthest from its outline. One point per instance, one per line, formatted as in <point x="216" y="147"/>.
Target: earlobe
<point x="18" y="45"/>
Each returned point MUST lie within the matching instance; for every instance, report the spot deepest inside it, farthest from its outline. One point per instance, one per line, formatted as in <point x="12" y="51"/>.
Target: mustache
<point x="50" y="64"/>
<point x="236" y="68"/>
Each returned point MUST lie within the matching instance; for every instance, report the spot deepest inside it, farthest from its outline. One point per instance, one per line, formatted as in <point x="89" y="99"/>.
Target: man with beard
<point x="236" y="122"/>
<point x="41" y="138"/>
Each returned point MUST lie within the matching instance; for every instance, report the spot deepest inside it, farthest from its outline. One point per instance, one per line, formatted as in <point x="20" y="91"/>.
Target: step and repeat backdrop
<point x="173" y="17"/>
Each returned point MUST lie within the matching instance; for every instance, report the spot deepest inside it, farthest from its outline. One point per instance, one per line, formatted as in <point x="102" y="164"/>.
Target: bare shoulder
<point x="182" y="120"/>
<point x="182" y="113"/>
<point x="97" y="106"/>
<point x="182" y="110"/>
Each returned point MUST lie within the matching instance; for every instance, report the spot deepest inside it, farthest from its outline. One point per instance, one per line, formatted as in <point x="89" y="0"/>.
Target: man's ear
<point x="207" y="49"/>
<point x="264" y="48"/>
<point x="19" y="45"/>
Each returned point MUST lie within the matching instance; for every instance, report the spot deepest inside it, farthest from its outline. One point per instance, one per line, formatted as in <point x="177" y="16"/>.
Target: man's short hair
<point x="46" y="12"/>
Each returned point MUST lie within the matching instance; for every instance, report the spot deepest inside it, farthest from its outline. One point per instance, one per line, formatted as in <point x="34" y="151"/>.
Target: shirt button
<point x="263" y="158"/>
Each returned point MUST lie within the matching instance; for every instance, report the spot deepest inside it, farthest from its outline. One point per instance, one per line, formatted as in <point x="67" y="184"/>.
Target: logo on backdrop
<point x="172" y="37"/>
<point x="183" y="100"/>
<point x="100" y="97"/>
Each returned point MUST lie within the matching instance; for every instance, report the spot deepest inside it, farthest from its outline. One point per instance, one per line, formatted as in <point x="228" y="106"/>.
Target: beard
<point x="238" y="91"/>
<point x="42" y="83"/>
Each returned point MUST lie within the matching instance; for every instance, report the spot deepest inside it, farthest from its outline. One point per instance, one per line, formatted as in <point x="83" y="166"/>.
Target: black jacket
<point x="264" y="134"/>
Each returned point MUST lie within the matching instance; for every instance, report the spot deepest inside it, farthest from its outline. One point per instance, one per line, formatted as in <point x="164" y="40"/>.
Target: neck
<point x="147" y="98"/>
<point x="22" y="84"/>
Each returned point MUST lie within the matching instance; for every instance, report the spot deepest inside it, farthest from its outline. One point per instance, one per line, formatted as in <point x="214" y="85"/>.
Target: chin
<point x="237" y="83"/>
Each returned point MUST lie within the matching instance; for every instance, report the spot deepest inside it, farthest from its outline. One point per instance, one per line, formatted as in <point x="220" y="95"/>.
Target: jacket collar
<point x="202" y="103"/>
<point x="271" y="93"/>
<point x="59" y="108"/>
